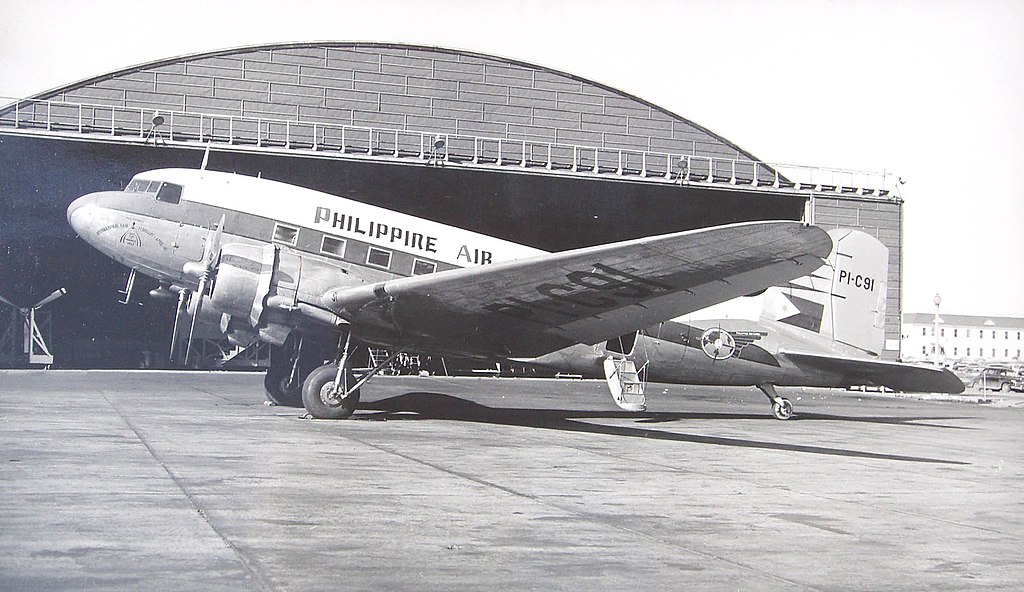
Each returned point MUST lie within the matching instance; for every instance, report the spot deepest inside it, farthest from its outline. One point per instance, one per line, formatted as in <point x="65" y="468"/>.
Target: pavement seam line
<point x="589" y="517"/>
<point x="250" y="565"/>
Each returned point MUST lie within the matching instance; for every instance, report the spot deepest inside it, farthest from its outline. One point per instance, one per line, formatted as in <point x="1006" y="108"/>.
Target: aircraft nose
<point x="77" y="211"/>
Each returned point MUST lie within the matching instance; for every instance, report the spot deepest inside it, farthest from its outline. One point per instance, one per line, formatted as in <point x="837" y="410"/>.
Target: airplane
<point x="314" y="274"/>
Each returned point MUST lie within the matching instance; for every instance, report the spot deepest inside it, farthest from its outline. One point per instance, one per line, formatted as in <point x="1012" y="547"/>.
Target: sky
<point x="930" y="90"/>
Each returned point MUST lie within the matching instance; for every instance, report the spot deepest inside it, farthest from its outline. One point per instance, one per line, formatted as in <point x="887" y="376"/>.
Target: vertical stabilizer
<point x="844" y="299"/>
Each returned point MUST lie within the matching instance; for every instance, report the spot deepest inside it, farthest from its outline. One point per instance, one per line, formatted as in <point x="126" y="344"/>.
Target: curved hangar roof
<point x="400" y="87"/>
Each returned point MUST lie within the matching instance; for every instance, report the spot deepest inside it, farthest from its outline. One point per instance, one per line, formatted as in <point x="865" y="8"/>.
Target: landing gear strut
<point x="290" y="365"/>
<point x="332" y="390"/>
<point x="781" y="408"/>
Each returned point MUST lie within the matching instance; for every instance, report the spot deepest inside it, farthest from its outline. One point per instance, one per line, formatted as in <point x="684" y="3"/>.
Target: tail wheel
<point x="322" y="400"/>
<point x="782" y="409"/>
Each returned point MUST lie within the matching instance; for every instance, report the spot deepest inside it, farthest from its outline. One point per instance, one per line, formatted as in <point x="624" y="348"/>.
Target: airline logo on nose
<point x="131" y="238"/>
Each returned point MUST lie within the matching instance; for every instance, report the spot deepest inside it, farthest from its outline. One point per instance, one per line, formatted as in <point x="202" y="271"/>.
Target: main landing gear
<point x="289" y="365"/>
<point x="781" y="408"/>
<point x="330" y="391"/>
<point x="282" y="387"/>
<point x="296" y="378"/>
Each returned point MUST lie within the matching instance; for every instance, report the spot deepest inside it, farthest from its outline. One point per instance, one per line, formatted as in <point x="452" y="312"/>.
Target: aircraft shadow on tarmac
<point x="424" y="405"/>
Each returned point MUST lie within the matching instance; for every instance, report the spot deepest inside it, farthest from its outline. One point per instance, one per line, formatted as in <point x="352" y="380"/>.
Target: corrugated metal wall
<point x="405" y="88"/>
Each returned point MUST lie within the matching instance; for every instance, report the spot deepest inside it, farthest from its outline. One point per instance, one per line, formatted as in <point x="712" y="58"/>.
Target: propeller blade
<point x="195" y="317"/>
<point x="207" y="247"/>
<point x="55" y="295"/>
<point x="213" y="243"/>
<point x="210" y="251"/>
<point x="217" y="237"/>
<point x="8" y="302"/>
<point x="181" y="311"/>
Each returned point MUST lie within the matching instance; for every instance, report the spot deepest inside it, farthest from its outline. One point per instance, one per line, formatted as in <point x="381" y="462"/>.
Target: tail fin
<point x="844" y="299"/>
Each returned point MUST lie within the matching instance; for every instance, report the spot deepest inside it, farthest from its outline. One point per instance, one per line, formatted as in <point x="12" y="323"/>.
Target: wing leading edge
<point x="529" y="307"/>
<point x="895" y="375"/>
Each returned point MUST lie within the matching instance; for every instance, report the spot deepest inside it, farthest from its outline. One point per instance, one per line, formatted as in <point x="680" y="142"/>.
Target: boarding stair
<point x="625" y="382"/>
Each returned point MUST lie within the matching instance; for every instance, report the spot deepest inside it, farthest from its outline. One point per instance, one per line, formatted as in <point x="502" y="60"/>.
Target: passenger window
<point x="169" y="192"/>
<point x="286" y="234"/>
<point x="379" y="258"/>
<point x="421" y="267"/>
<point x="333" y="246"/>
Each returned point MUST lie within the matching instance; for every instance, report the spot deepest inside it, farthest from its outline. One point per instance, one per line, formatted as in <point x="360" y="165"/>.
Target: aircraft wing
<point x="895" y="375"/>
<point x="528" y="307"/>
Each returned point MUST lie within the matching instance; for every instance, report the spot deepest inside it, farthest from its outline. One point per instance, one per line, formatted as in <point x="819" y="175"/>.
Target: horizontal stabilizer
<point x="897" y="376"/>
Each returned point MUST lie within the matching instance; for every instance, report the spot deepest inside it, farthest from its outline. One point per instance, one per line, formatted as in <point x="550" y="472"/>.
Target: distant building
<point x="962" y="338"/>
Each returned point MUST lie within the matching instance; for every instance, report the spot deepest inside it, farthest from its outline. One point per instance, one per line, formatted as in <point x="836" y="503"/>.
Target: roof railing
<point x="147" y="125"/>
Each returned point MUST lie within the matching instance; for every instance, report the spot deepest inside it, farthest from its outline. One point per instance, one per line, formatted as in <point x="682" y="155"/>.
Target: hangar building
<point x="511" y="149"/>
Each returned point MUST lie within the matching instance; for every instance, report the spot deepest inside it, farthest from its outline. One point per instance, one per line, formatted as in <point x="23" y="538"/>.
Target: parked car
<point x="966" y="372"/>
<point x="996" y="379"/>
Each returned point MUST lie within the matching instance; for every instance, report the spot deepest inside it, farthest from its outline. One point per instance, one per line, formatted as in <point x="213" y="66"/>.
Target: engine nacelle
<point x="247" y="275"/>
<point x="208" y="325"/>
<point x="259" y="286"/>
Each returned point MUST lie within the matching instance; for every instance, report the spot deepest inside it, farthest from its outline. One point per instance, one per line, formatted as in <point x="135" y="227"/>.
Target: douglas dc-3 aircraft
<point x="313" y="274"/>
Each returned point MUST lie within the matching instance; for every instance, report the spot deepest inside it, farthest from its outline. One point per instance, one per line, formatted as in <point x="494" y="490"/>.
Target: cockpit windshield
<point x="142" y="186"/>
<point x="164" y="191"/>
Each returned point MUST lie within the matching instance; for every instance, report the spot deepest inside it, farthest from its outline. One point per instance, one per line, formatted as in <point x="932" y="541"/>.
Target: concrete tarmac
<point x="187" y="481"/>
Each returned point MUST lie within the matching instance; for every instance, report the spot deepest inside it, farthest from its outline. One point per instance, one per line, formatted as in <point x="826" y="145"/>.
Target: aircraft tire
<point x="317" y="394"/>
<point x="782" y="409"/>
<point x="277" y="389"/>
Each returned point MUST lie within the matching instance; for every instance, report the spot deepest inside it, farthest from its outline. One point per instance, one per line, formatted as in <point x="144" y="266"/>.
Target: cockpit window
<point x="143" y="186"/>
<point x="164" y="191"/>
<point x="137" y="185"/>
<point x="169" y="192"/>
